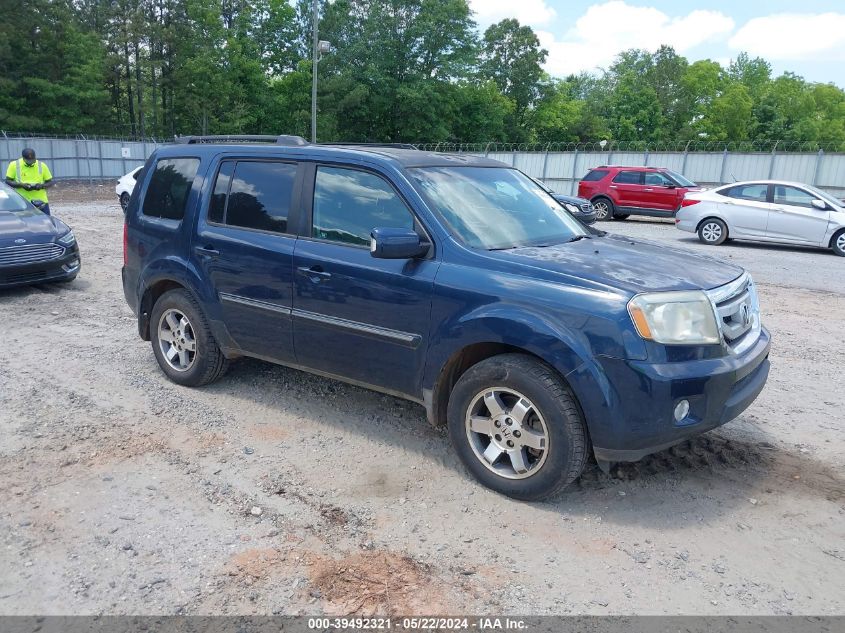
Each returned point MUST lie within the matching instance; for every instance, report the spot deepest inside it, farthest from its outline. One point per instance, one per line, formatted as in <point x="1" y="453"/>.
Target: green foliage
<point x="400" y="70"/>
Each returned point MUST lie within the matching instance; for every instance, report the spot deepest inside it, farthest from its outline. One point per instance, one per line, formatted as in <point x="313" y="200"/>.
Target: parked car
<point x="125" y="185"/>
<point x="618" y="192"/>
<point x="580" y="208"/>
<point x="34" y="247"/>
<point x="765" y="211"/>
<point x="448" y="280"/>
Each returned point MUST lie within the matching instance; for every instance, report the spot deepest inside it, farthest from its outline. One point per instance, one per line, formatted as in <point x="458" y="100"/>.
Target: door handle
<point x="648" y="189"/>
<point x="208" y="251"/>
<point x="315" y="273"/>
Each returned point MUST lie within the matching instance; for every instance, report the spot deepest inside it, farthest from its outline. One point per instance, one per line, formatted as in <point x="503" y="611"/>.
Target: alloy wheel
<point x="840" y="243"/>
<point x="602" y="210"/>
<point x="507" y="433"/>
<point x="176" y="340"/>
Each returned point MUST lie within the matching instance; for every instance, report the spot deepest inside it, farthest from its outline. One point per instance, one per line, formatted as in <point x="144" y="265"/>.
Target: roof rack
<point x="284" y="139"/>
<point x="354" y="144"/>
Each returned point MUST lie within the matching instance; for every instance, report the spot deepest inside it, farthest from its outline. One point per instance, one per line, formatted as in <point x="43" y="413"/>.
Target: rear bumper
<point x="60" y="269"/>
<point x="642" y="421"/>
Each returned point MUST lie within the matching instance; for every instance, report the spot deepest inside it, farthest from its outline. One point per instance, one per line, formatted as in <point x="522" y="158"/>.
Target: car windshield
<point x="496" y="208"/>
<point x="824" y="196"/>
<point x="681" y="180"/>
<point x="10" y="200"/>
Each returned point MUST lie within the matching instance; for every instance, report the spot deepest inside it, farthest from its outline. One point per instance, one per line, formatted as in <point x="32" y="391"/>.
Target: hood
<point x="630" y="265"/>
<point x="31" y="225"/>
<point x="570" y="199"/>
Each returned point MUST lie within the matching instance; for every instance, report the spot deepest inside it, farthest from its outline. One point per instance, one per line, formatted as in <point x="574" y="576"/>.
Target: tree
<point x="513" y="59"/>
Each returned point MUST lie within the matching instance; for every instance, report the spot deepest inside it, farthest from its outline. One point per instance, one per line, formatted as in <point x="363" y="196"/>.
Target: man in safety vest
<point x="31" y="178"/>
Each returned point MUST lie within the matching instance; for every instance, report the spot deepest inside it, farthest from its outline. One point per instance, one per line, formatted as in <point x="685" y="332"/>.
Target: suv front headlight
<point x="67" y="239"/>
<point x="675" y="318"/>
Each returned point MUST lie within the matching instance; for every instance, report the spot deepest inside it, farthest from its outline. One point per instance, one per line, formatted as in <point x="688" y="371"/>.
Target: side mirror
<point x="671" y="186"/>
<point x="386" y="243"/>
<point x="819" y="204"/>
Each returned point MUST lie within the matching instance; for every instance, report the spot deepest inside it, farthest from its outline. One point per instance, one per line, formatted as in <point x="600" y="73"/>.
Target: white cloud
<point x="607" y="29"/>
<point x="793" y="36"/>
<point x="530" y="12"/>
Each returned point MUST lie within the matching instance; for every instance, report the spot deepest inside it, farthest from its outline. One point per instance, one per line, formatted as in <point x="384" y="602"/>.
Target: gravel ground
<point x="274" y="491"/>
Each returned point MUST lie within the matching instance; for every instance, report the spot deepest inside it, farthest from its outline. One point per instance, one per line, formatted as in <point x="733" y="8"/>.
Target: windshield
<point x="10" y="200"/>
<point x="496" y="208"/>
<point x="681" y="180"/>
<point x="823" y="195"/>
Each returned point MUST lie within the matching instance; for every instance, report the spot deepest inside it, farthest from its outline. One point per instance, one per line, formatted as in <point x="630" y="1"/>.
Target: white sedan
<point x="125" y="185"/>
<point x="765" y="211"/>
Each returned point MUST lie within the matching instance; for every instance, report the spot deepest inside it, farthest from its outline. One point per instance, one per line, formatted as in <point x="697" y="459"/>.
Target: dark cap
<point x="28" y="153"/>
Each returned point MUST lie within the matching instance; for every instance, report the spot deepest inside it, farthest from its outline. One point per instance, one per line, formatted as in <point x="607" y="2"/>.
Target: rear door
<point x="245" y="248"/>
<point x="746" y="209"/>
<point x="355" y="316"/>
<point x="793" y="217"/>
<point x="626" y="188"/>
<point x="659" y="192"/>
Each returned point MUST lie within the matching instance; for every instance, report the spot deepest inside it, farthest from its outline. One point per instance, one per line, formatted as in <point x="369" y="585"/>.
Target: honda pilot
<point x="450" y="280"/>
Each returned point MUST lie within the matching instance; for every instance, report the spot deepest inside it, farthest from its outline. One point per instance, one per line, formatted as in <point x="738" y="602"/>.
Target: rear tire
<point x="531" y="441"/>
<point x="713" y="231"/>
<point x="838" y="243"/>
<point x="604" y="209"/>
<point x="182" y="341"/>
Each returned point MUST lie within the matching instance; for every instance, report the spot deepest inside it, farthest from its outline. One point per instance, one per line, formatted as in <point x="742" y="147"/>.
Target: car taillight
<point x="686" y="202"/>
<point x="125" y="243"/>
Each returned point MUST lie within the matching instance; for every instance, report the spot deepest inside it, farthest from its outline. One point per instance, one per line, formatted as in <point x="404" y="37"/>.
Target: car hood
<point x="570" y="199"/>
<point x="30" y="224"/>
<point x="630" y="265"/>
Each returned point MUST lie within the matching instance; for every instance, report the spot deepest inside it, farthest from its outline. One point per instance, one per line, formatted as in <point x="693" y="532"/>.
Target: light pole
<point x="320" y="46"/>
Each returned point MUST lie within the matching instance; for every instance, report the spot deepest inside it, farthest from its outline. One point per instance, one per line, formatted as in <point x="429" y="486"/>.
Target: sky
<point x="806" y="37"/>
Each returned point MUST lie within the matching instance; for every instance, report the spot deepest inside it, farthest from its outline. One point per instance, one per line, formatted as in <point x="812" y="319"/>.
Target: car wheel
<point x="621" y="216"/>
<point x="182" y="341"/>
<point x="124" y="201"/>
<point x="713" y="231"/>
<point x="838" y="243"/>
<point x="517" y="427"/>
<point x="604" y="209"/>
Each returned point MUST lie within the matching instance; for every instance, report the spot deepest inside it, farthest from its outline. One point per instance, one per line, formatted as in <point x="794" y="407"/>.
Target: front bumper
<point x="644" y="396"/>
<point x="61" y="268"/>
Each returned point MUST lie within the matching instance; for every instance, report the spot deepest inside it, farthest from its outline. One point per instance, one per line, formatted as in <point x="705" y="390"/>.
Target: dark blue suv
<point x="449" y="280"/>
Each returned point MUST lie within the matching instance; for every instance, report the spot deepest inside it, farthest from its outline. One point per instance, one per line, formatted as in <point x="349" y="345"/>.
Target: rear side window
<point x="627" y="178"/>
<point x="595" y="174"/>
<point x="756" y="192"/>
<point x="253" y="195"/>
<point x="349" y="204"/>
<point x="170" y="185"/>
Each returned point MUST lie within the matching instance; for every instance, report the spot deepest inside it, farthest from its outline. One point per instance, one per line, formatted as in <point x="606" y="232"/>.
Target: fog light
<point x="681" y="410"/>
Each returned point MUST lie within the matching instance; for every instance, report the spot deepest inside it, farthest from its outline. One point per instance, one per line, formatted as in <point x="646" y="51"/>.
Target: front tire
<point x="182" y="341"/>
<point x="604" y="209"/>
<point x="124" y="201"/>
<point x="713" y="231"/>
<point x="517" y="427"/>
<point x="838" y="243"/>
<point x="621" y="216"/>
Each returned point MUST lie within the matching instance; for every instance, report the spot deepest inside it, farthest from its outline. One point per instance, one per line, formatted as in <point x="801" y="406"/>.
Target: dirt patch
<point x="378" y="583"/>
<point x="255" y="563"/>
<point x="268" y="432"/>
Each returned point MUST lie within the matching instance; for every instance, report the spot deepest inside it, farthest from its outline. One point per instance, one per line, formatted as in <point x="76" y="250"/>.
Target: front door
<point x="659" y="193"/>
<point x="355" y="316"/>
<point x="793" y="217"/>
<point x="245" y="249"/>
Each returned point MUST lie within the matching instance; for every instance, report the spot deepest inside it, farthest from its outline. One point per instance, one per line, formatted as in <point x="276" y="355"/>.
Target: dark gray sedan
<point x="581" y="208"/>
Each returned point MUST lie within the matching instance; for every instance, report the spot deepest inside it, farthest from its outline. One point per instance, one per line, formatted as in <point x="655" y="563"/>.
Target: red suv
<point x="617" y="192"/>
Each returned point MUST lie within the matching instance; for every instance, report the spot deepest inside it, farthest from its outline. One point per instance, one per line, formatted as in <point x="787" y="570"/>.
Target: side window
<point x="657" y="179"/>
<point x="594" y="175"/>
<point x="167" y="193"/>
<point x="793" y="196"/>
<point x="259" y="195"/>
<point x="756" y="192"/>
<point x="627" y="178"/>
<point x="349" y="204"/>
<point x="217" y="206"/>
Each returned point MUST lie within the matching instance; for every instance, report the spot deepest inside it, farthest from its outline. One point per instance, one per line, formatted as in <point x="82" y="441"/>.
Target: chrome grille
<point x="587" y="207"/>
<point x="29" y="254"/>
<point x="738" y="313"/>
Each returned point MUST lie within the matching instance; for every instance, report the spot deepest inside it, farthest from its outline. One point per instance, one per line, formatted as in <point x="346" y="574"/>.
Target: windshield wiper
<point x="579" y="237"/>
